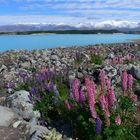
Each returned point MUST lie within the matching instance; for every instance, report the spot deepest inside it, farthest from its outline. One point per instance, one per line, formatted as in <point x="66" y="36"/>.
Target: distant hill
<point x="85" y="28"/>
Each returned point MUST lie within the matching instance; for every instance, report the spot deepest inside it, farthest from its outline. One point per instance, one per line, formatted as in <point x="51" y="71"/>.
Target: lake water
<point x="8" y="42"/>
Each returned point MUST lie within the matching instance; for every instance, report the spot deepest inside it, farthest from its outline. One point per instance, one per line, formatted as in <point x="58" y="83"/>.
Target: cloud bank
<point x="68" y="11"/>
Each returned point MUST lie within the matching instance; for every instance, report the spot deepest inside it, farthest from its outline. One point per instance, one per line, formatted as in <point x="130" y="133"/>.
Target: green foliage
<point x="96" y="59"/>
<point x="78" y="62"/>
<point x="126" y="130"/>
<point x="137" y="81"/>
<point x="32" y="69"/>
<point x="63" y="91"/>
<point x="115" y="132"/>
<point x="137" y="131"/>
<point x="47" y="106"/>
<point x="129" y="62"/>
<point x="22" y="86"/>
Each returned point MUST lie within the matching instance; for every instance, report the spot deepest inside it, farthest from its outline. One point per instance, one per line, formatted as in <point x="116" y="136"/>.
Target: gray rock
<point x="72" y="75"/>
<point x="16" y="124"/>
<point x="26" y="65"/>
<point x="80" y="75"/>
<point x="3" y="67"/>
<point x="111" y="71"/>
<point x="54" y="57"/>
<point x="20" y="103"/>
<point x="37" y="131"/>
<point x="7" y="116"/>
<point x="33" y="121"/>
<point x="111" y="55"/>
<point x="135" y="71"/>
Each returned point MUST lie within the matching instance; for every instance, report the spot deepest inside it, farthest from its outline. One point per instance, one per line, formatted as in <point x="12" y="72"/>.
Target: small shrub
<point x="96" y="59"/>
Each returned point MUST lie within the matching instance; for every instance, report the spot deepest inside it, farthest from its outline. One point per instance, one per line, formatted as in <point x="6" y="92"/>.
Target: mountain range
<point x="104" y="25"/>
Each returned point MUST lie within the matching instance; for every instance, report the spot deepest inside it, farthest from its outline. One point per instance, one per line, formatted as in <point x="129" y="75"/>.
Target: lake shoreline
<point x="78" y="47"/>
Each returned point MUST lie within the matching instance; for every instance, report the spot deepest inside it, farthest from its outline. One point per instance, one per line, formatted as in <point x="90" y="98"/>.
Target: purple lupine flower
<point x="34" y="91"/>
<point x="22" y="74"/>
<point x="50" y="86"/>
<point x="82" y="96"/>
<point x="11" y="84"/>
<point x="39" y="78"/>
<point x="98" y="125"/>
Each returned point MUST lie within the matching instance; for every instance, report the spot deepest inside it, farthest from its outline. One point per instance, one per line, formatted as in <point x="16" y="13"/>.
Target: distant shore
<point x="69" y="32"/>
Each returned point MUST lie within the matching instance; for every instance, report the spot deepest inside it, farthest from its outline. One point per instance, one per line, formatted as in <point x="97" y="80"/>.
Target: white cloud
<point x="9" y="19"/>
<point x="74" y="10"/>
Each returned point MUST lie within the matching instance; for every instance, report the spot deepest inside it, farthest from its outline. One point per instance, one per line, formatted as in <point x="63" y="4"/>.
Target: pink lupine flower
<point x="130" y="56"/>
<point x="76" y="87"/>
<point x="91" y="86"/>
<point x="108" y="82"/>
<point x="104" y="105"/>
<point x="111" y="97"/>
<point x="102" y="76"/>
<point x="130" y="81"/>
<point x="102" y="102"/>
<point x="124" y="80"/>
<point x="134" y="97"/>
<point x="118" y="120"/>
<point x="91" y="91"/>
<point x="44" y="70"/>
<point x="68" y="105"/>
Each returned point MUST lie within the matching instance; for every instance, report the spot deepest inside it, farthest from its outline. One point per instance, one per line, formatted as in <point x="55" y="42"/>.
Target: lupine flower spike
<point x="91" y="91"/>
<point x="124" y="80"/>
<point x="130" y="81"/>
<point x="118" y="120"/>
<point x="76" y="87"/>
<point x="98" y="125"/>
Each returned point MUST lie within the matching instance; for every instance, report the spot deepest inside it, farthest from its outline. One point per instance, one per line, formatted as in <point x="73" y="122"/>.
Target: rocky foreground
<point x="18" y="119"/>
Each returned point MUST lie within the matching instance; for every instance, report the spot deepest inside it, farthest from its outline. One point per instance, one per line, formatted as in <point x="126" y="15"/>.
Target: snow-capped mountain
<point x="107" y="25"/>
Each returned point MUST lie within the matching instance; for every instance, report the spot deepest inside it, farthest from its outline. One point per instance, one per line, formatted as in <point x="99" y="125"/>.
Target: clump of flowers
<point x="119" y="59"/>
<point x="93" y="109"/>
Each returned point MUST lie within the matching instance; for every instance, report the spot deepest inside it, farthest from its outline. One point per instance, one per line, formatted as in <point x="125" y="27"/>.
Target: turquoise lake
<point x="14" y="42"/>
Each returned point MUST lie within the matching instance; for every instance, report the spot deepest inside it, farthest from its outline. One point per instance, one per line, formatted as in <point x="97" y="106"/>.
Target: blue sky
<point x="67" y="11"/>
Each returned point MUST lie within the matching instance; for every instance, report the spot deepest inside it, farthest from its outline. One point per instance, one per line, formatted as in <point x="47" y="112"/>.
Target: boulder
<point x="7" y="116"/>
<point x="21" y="104"/>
